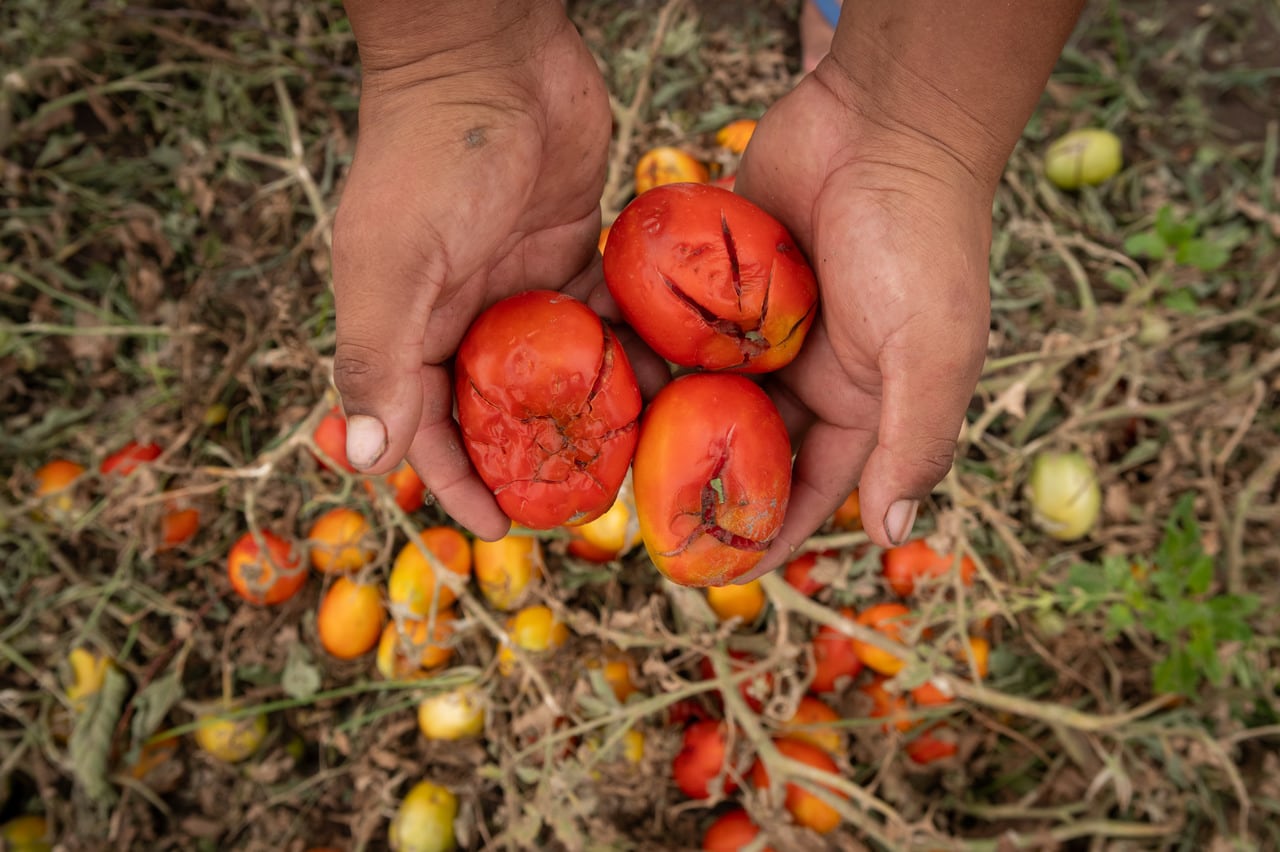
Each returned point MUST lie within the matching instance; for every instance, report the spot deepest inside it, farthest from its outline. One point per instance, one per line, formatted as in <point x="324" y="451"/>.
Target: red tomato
<point x="124" y="460"/>
<point x="331" y="439"/>
<point x="712" y="477"/>
<point x="702" y="759"/>
<point x="732" y="831"/>
<point x="710" y="280"/>
<point x="835" y="660"/>
<point x="265" y="579"/>
<point x="806" y="808"/>
<point x="929" y="747"/>
<point x="548" y="406"/>
<point x="799" y="572"/>
<point x="916" y="561"/>
<point x="406" y="487"/>
<point x="178" y="526"/>
<point x="891" y="619"/>
<point x="890" y="706"/>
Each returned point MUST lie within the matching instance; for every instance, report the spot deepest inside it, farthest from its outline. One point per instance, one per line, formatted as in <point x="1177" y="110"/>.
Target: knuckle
<point x="357" y="369"/>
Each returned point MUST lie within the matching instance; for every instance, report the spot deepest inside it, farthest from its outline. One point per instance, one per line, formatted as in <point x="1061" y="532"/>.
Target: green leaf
<point x="1202" y="651"/>
<point x="1119" y="618"/>
<point x="1183" y="301"/>
<point x="153" y="703"/>
<point x="1228" y="614"/>
<point x="1145" y="244"/>
<point x="1175" y="674"/>
<point x="1170" y="230"/>
<point x="1202" y="254"/>
<point x="1199" y="575"/>
<point x="90" y="744"/>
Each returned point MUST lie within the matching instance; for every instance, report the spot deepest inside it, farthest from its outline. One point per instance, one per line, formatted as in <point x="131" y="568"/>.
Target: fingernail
<point x="899" y="520"/>
<point x="366" y="440"/>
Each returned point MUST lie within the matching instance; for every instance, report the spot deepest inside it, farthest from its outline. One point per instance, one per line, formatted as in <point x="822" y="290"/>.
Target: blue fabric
<point x="830" y="10"/>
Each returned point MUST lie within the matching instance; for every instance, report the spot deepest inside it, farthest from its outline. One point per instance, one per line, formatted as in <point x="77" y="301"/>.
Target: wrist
<point x="428" y="38"/>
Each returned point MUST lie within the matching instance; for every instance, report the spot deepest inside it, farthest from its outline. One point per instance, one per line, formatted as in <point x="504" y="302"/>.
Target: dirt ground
<point x="168" y="175"/>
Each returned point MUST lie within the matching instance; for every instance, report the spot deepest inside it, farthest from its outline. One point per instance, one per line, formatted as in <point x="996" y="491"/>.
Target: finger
<point x="440" y="458"/>
<point x="382" y="309"/>
<point x="825" y="472"/>
<point x="923" y="410"/>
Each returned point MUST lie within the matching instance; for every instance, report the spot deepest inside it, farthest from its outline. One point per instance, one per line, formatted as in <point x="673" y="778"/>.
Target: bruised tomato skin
<point x="710" y="280"/>
<point x="712" y="477"/>
<point x="548" y="405"/>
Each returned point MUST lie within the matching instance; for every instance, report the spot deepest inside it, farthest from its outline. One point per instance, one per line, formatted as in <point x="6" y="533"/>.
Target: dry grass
<point x="168" y="180"/>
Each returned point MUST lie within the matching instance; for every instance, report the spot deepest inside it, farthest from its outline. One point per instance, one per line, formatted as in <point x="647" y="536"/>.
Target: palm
<point x="900" y="255"/>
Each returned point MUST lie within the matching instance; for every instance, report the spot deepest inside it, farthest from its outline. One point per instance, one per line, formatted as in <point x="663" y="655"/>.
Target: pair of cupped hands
<point x="477" y="179"/>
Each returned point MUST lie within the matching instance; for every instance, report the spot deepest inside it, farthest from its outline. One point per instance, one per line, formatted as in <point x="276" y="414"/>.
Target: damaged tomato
<point x="710" y="280"/>
<point x="548" y="406"/>
<point x="712" y="478"/>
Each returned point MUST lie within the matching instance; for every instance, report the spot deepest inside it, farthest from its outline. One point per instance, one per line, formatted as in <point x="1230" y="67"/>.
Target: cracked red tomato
<point x="709" y="279"/>
<point x="548" y="406"/>
<point x="712" y="477"/>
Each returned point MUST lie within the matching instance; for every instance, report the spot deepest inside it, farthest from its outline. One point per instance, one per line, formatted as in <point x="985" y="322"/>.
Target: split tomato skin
<point x="712" y="476"/>
<point x="709" y="279"/>
<point x="548" y="406"/>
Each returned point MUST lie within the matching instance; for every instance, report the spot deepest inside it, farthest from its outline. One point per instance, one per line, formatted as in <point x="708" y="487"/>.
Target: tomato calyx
<point x="713" y="495"/>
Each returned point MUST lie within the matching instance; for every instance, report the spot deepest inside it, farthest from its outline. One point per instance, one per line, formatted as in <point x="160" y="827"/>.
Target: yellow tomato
<point x="505" y="568"/>
<point x="816" y="722"/>
<point x="735" y="135"/>
<point x="405" y="652"/>
<point x="413" y="582"/>
<point x="665" y="165"/>
<point x="534" y="629"/>
<point x="25" y="834"/>
<point x="745" y="602"/>
<point x="453" y="715"/>
<point x="424" y="820"/>
<point x="88" y="671"/>
<point x="1083" y="158"/>
<point x="231" y="740"/>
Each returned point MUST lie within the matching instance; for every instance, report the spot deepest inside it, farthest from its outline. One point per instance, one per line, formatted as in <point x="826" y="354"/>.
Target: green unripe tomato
<point x="1083" y="157"/>
<point x="424" y="821"/>
<point x="1064" y="493"/>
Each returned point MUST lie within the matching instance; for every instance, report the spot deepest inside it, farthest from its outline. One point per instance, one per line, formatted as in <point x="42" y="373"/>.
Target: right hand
<point x="477" y="174"/>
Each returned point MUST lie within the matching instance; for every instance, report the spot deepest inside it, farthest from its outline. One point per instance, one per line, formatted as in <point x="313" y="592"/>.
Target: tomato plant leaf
<point x="153" y="703"/>
<point x="1202" y="254"/>
<point x="1145" y="244"/>
<point x="300" y="679"/>
<point x="90" y="744"/>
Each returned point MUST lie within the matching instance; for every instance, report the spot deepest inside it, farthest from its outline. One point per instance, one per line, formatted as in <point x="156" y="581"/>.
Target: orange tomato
<point x="265" y="578"/>
<point x="337" y="541"/>
<point x="126" y="459"/>
<point x="731" y="832"/>
<point x="848" y="515"/>
<point x="835" y="660"/>
<point x="815" y="722"/>
<point x="615" y="532"/>
<point x="665" y="164"/>
<point x="406" y="487"/>
<point x="980" y="649"/>
<point x="178" y="526"/>
<point x="735" y="135"/>
<point x="805" y="808"/>
<point x="350" y="618"/>
<point x="915" y="562"/>
<point x="891" y="619"/>
<point x="746" y="601"/>
<point x="54" y="481"/>
<point x="619" y="673"/>
<point x="406" y="652"/>
<point x="413" y="583"/>
<point x="506" y="568"/>
<point x="890" y="706"/>
<point x="330" y="438"/>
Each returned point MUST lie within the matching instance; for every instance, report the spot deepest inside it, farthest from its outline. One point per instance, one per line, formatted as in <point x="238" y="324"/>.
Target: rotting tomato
<point x="709" y="279"/>
<point x="805" y="808"/>
<point x="666" y="165"/>
<point x="453" y="715"/>
<point x="330" y="438"/>
<point x="915" y="562"/>
<point x="548" y="407"/>
<point x="126" y="459"/>
<point x="231" y="740"/>
<point x="701" y="761"/>
<point x="424" y="820"/>
<point x="712" y="478"/>
<point x="732" y="831"/>
<point x="265" y="578"/>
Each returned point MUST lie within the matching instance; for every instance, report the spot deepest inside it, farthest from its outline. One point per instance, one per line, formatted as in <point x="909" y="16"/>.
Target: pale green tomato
<point x="452" y="715"/>
<point x="1083" y="157"/>
<point x="424" y="821"/>
<point x="1064" y="493"/>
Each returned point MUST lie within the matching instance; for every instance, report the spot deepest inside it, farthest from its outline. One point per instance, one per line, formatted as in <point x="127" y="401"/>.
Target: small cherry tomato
<point x="805" y="808"/>
<point x="330" y="438"/>
<point x="915" y="562"/>
<point x="413" y="584"/>
<point x="178" y="526"/>
<point x="126" y="459"/>
<point x="534" y="629"/>
<point x="933" y="744"/>
<point x="732" y="831"/>
<point x="710" y="280"/>
<point x="406" y="488"/>
<point x="548" y="406"/>
<point x="265" y="578"/>
<point x="665" y="164"/>
<point x="712" y="478"/>
<point x="701" y="760"/>
<point x="800" y="575"/>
